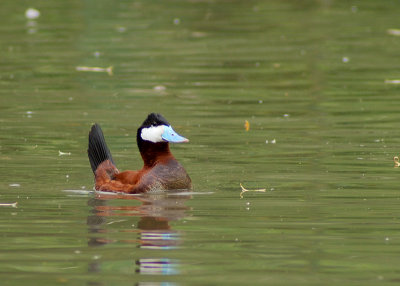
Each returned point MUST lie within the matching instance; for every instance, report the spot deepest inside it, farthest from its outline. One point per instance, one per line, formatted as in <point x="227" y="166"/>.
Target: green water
<point x="309" y="76"/>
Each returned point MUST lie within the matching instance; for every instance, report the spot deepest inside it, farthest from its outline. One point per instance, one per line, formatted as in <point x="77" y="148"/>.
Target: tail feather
<point x="98" y="151"/>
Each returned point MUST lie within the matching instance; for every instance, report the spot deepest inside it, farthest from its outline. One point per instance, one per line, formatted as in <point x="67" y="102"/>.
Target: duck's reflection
<point x="143" y="221"/>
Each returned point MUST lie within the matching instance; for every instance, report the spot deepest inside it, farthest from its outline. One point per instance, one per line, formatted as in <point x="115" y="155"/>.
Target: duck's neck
<point x="153" y="153"/>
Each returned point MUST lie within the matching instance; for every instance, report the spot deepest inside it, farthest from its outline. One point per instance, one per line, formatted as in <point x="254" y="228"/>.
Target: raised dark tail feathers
<point x="98" y="151"/>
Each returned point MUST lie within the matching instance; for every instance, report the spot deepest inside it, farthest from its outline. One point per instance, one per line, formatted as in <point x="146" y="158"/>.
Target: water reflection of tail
<point x="113" y="215"/>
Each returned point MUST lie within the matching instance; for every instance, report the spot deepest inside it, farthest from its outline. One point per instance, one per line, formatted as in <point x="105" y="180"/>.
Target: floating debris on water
<point x="354" y="9"/>
<point x="121" y="29"/>
<point x="159" y="88"/>
<point x="97" y="54"/>
<point x="197" y="34"/>
<point x="244" y="190"/>
<point x="32" y="13"/>
<point x="247" y="125"/>
<point x="15" y="185"/>
<point x="392" y="81"/>
<point x="13" y="205"/>
<point x="64" y="153"/>
<point x="396" y="162"/>
<point x="394" y="32"/>
<point x="108" y="70"/>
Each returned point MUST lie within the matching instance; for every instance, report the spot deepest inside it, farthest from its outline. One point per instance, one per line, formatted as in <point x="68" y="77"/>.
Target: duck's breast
<point x="169" y="175"/>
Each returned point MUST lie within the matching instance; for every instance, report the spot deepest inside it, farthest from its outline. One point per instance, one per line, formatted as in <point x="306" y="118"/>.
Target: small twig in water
<point x="392" y="81"/>
<point x="14" y="205"/>
<point x="63" y="153"/>
<point x="246" y="190"/>
<point x="108" y="70"/>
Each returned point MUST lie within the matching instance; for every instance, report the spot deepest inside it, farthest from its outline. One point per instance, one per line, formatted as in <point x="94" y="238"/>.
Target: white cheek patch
<point x="153" y="133"/>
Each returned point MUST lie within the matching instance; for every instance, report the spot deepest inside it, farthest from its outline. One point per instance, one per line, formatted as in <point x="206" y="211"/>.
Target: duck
<point x="160" y="171"/>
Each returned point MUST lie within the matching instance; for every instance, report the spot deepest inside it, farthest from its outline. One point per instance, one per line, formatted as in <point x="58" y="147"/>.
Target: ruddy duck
<point x="161" y="171"/>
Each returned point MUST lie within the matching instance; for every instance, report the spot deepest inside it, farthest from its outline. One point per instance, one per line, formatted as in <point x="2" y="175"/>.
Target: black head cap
<point x="154" y="119"/>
